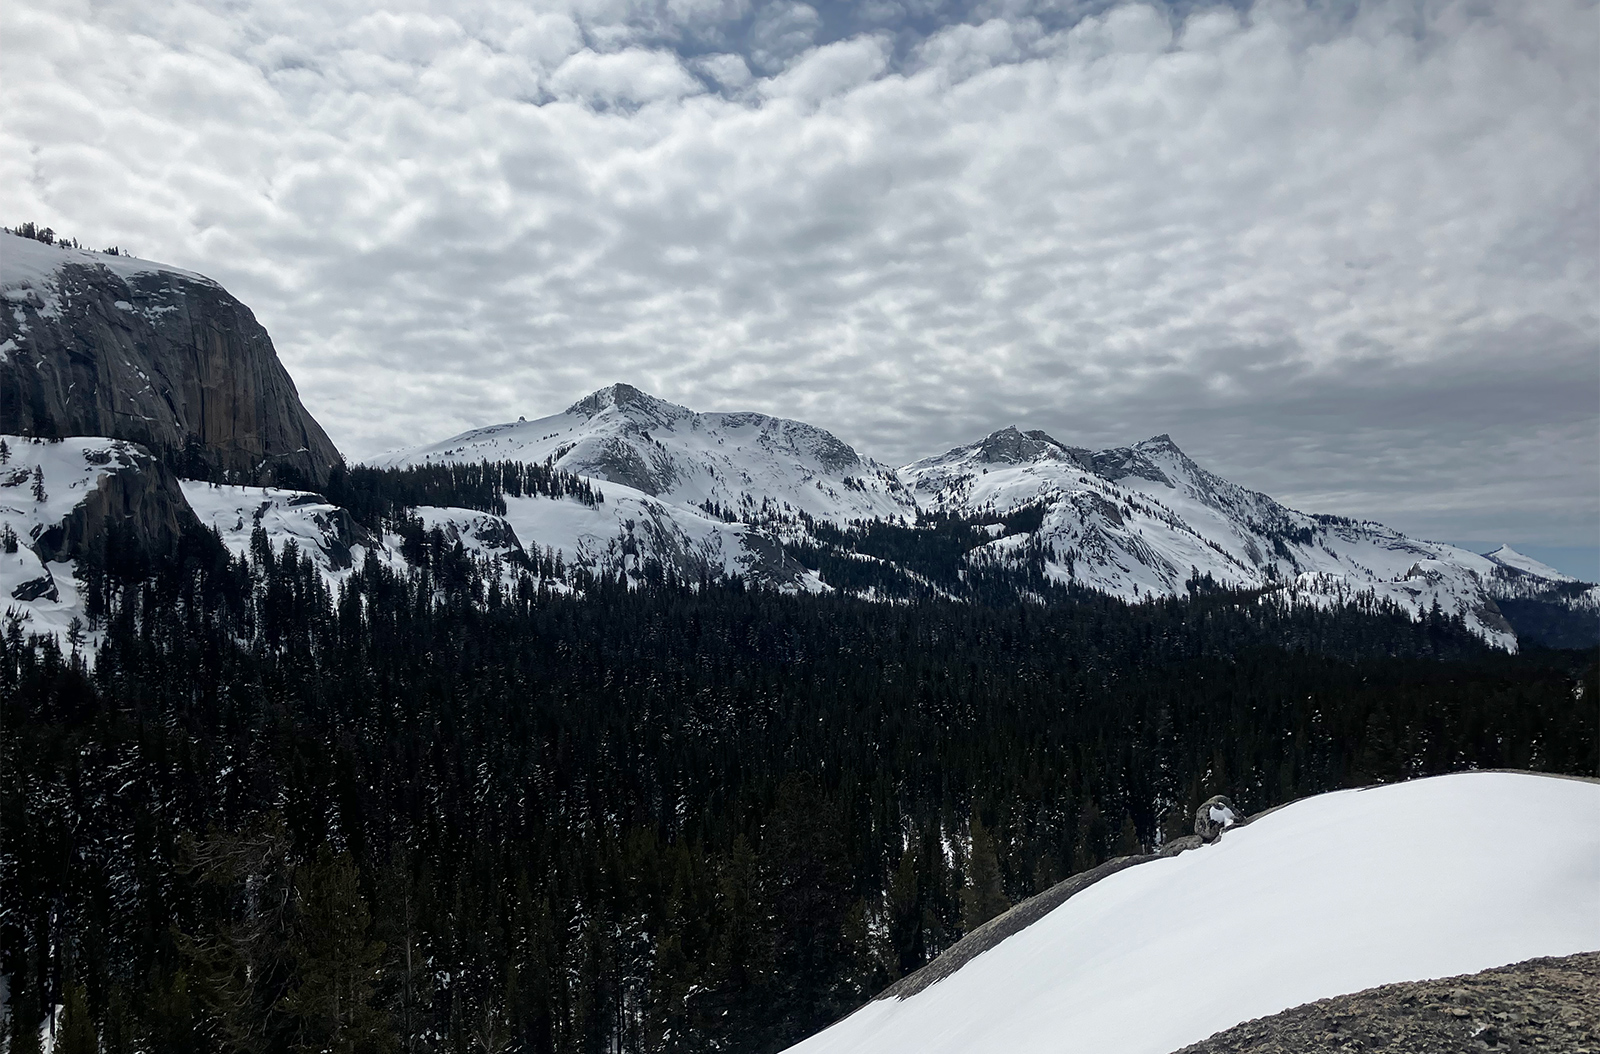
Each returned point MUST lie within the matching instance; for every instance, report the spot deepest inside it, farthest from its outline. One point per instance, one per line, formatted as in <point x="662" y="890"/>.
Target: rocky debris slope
<point x="1549" y="1004"/>
<point x="100" y="345"/>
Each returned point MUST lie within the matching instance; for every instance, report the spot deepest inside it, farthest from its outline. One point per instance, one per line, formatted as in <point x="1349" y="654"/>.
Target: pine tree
<point x="332" y="1005"/>
<point x="905" y="912"/>
<point x="5" y="453"/>
<point x="25" y="1021"/>
<point x="76" y="1035"/>
<point x="1128" y="843"/>
<point x="38" y="483"/>
<point x="983" y="898"/>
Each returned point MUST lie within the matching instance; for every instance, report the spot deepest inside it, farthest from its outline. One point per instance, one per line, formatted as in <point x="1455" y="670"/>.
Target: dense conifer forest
<point x="465" y="809"/>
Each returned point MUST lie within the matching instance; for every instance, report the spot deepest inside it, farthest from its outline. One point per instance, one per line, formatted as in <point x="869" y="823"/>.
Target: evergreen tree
<point x="983" y="898"/>
<point x="25" y="1020"/>
<point x="332" y="1005"/>
<point x="905" y="912"/>
<point x="76" y="1033"/>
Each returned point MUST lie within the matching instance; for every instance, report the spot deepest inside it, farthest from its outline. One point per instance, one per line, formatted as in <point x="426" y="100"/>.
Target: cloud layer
<point x="1347" y="254"/>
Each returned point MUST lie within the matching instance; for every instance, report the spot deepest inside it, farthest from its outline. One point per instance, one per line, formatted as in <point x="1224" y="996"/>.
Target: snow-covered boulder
<point x="1215" y="815"/>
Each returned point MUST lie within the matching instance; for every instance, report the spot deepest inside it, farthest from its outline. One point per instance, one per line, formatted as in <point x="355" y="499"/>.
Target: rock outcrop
<point x="64" y="501"/>
<point x="139" y="497"/>
<point x="98" y="345"/>
<point x="1215" y="815"/>
<point x="1541" y="1004"/>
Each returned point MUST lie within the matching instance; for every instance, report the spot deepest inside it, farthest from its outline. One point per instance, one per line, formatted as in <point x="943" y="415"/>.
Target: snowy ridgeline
<point x="44" y="483"/>
<point x="620" y="533"/>
<point x="1135" y="522"/>
<point x="31" y="274"/>
<point x="711" y="495"/>
<point x="1329" y="895"/>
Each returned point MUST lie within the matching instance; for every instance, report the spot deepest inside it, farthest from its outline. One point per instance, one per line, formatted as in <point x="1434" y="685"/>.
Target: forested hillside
<point x="450" y="810"/>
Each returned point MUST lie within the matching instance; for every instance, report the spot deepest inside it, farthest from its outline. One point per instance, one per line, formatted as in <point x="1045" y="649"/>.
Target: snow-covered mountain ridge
<point x="1136" y="522"/>
<point x="790" y="506"/>
<point x="739" y="464"/>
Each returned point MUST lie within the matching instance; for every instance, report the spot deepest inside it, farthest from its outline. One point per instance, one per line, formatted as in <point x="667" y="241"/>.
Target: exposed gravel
<point x="1539" y="1005"/>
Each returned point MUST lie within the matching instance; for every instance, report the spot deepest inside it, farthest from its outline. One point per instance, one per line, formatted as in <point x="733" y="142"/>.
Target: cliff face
<point x="112" y="346"/>
<point x="61" y="500"/>
<point x="139" y="495"/>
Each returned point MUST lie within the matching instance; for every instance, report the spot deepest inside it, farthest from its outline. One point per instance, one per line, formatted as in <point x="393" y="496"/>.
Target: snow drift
<point x="1330" y="895"/>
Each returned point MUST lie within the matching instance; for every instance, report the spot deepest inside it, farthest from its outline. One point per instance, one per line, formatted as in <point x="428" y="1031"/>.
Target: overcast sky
<point x="1346" y="253"/>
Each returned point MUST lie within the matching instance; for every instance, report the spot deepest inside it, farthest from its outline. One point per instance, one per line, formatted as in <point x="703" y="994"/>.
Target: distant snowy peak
<point x="624" y="400"/>
<point x="749" y="465"/>
<point x="1012" y="446"/>
<point x="1506" y="556"/>
<point x="1145" y="520"/>
<point x="1135" y="522"/>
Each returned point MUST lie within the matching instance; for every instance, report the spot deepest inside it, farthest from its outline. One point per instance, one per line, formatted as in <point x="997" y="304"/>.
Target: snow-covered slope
<point x="630" y="528"/>
<point x="699" y="493"/>
<point x="1509" y="557"/>
<point x="1143" y="520"/>
<point x="716" y="492"/>
<point x="1329" y="895"/>
<point x="741" y="463"/>
<point x="32" y="268"/>
<point x="326" y="534"/>
<point x="42" y="484"/>
<point x="318" y="530"/>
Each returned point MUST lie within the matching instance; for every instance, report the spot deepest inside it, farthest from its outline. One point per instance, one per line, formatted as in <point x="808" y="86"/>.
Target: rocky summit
<point x="93" y="344"/>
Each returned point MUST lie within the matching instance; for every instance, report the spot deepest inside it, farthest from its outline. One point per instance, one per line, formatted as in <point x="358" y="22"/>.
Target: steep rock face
<point x="102" y="345"/>
<point x="62" y="497"/>
<point x="140" y="496"/>
<point x="65" y="501"/>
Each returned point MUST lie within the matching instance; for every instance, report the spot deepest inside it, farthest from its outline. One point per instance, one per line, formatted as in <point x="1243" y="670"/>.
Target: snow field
<point x="1329" y="895"/>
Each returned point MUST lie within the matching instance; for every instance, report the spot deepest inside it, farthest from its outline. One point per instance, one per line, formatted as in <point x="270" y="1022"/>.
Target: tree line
<point x="452" y="810"/>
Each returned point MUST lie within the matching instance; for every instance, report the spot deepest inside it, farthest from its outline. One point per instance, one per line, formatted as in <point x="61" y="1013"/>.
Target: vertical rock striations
<point x="92" y="344"/>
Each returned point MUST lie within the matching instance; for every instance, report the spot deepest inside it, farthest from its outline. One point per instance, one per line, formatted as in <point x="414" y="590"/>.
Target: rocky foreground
<point x="1540" y="1005"/>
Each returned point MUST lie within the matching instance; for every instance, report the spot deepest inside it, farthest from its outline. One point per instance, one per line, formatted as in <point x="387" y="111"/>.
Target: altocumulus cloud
<point x="1343" y="253"/>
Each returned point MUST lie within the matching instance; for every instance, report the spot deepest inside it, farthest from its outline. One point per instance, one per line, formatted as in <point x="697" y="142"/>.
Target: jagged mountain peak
<point x="1013" y="446"/>
<point x="1160" y="442"/>
<point x="630" y="401"/>
<point x="1157" y="459"/>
